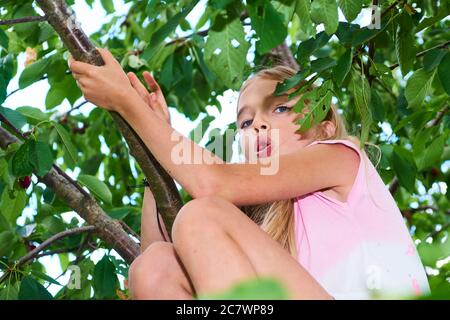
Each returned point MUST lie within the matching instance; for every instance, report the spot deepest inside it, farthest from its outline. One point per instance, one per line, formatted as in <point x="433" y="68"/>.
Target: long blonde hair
<point x="277" y="218"/>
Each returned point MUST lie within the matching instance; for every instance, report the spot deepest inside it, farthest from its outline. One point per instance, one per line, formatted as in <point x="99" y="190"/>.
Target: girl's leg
<point x="219" y="246"/>
<point x="158" y="274"/>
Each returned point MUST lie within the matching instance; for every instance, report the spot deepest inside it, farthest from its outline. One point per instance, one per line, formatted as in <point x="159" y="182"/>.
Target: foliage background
<point x="392" y="85"/>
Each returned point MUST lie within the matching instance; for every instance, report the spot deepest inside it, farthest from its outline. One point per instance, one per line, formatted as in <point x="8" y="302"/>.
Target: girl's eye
<point x="243" y="124"/>
<point x="282" y="108"/>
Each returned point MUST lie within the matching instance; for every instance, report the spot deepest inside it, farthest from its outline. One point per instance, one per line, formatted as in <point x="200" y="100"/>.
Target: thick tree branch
<point x="22" y="20"/>
<point x="63" y="20"/>
<point x="81" y="202"/>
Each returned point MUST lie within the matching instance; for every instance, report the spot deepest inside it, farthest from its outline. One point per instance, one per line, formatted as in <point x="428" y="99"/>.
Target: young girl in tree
<point x="326" y="226"/>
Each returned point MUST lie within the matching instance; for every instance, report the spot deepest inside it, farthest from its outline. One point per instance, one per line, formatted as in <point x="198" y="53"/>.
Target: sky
<point x="91" y="20"/>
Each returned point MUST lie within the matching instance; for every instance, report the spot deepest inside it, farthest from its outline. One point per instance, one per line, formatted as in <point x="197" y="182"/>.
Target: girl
<point x="326" y="228"/>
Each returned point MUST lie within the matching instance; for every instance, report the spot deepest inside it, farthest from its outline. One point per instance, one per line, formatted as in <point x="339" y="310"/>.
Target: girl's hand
<point x="105" y="86"/>
<point x="155" y="99"/>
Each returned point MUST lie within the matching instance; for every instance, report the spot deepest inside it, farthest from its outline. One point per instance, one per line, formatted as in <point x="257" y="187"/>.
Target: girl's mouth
<point x="263" y="148"/>
<point x="264" y="152"/>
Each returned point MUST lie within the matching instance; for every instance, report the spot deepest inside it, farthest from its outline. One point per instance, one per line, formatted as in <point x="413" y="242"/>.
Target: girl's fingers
<point x="137" y="85"/>
<point x="76" y="76"/>
<point x="153" y="85"/>
<point x="80" y="67"/>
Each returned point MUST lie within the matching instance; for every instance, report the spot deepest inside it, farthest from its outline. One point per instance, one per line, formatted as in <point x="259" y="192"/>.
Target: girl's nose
<point x="262" y="127"/>
<point x="259" y="124"/>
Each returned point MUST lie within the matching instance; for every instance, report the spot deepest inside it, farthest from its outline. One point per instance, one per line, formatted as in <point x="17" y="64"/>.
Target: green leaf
<point x="261" y="288"/>
<point x="43" y="159"/>
<point x="403" y="165"/>
<point x="350" y="8"/>
<point x="108" y="5"/>
<point x="135" y="62"/>
<point x="97" y="187"/>
<point x="33" y="115"/>
<point x="405" y="43"/>
<point x="66" y="88"/>
<point x="12" y="207"/>
<point x="13" y="116"/>
<point x="377" y="106"/>
<point x="432" y="153"/>
<point x="322" y="64"/>
<point x="45" y="277"/>
<point x="291" y="82"/>
<point x="4" y="224"/>
<point x="417" y="87"/>
<point x="105" y="279"/>
<point x="222" y="144"/>
<point x="7" y="242"/>
<point x="310" y="46"/>
<point x="167" y="28"/>
<point x="4" y="40"/>
<point x="326" y="12"/>
<point x="197" y="133"/>
<point x="268" y="24"/>
<point x="362" y="96"/>
<point x="10" y="292"/>
<point x="3" y="87"/>
<point x="303" y="9"/>
<point x="32" y="155"/>
<point x="33" y="73"/>
<point x="444" y="72"/>
<point x="21" y="161"/>
<point x="317" y="112"/>
<point x="67" y="141"/>
<point x="343" y="66"/>
<point x="432" y="59"/>
<point x="5" y="175"/>
<point x="227" y="37"/>
<point x="120" y="213"/>
<point x="319" y="105"/>
<point x="30" y="289"/>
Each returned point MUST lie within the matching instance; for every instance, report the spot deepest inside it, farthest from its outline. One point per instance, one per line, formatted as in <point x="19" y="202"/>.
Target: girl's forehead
<point x="256" y="92"/>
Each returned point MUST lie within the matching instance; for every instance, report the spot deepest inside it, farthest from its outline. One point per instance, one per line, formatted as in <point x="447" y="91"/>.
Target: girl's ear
<point x="328" y="128"/>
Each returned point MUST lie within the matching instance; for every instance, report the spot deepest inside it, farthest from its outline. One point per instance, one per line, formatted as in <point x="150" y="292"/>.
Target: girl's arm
<point x="149" y="224"/>
<point x="301" y="172"/>
<point x="310" y="169"/>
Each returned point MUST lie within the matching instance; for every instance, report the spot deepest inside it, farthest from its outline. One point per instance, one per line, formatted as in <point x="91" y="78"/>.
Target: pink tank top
<point x="360" y="248"/>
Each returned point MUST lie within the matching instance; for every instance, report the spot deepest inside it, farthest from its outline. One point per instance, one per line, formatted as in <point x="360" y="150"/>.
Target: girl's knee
<point x="198" y="214"/>
<point x="150" y="269"/>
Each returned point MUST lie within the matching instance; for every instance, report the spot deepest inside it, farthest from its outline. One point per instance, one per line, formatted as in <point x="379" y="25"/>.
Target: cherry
<point x="25" y="182"/>
<point x="63" y="120"/>
<point x="434" y="172"/>
<point x="30" y="246"/>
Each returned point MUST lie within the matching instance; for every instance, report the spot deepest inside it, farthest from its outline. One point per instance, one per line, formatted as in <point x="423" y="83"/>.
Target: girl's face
<point x="266" y="123"/>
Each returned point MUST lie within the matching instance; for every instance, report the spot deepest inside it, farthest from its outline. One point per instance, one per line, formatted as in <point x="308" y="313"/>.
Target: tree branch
<point x="22" y="20"/>
<point x="56" y="251"/>
<point x="436" y="232"/>
<point x="33" y="253"/>
<point x="392" y="6"/>
<point x="81" y="202"/>
<point x="439" y="46"/>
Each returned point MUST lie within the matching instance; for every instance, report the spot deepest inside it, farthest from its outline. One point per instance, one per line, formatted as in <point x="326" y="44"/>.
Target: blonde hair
<point x="277" y="218"/>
